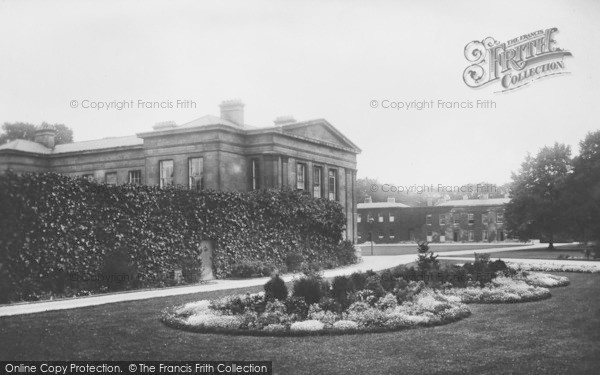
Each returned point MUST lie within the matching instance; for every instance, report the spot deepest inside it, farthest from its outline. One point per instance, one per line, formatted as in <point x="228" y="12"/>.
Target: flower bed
<point x="426" y="308"/>
<point x="545" y="280"/>
<point x="545" y="267"/>
<point x="395" y="299"/>
<point x="500" y="290"/>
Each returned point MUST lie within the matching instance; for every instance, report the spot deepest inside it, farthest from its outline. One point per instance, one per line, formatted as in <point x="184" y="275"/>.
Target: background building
<point x="467" y="220"/>
<point x="221" y="153"/>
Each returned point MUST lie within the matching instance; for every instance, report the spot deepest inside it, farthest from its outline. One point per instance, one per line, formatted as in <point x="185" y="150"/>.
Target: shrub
<point x="239" y="304"/>
<point x="359" y="280"/>
<point x="388" y="281"/>
<point x="297" y="306"/>
<point x="346" y="253"/>
<point x="309" y="288"/>
<point x="294" y="262"/>
<point x="497" y="265"/>
<point x="426" y="260"/>
<point x="275" y="289"/>
<point x="374" y="285"/>
<point x="341" y="288"/>
<point x="251" y="268"/>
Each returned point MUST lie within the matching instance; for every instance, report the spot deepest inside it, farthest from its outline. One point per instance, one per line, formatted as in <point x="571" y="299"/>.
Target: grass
<point x="558" y="335"/>
<point x="534" y="254"/>
<point x="403" y="250"/>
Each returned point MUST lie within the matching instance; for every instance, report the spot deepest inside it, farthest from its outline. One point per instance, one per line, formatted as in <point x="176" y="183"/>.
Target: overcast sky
<point x="309" y="59"/>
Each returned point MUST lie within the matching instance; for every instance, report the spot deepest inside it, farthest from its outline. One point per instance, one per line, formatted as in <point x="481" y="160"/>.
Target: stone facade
<point x="476" y="220"/>
<point x="220" y="153"/>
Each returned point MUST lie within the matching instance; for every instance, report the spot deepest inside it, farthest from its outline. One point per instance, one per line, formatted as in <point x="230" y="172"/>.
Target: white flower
<point x="345" y="325"/>
<point x="274" y="328"/>
<point x="214" y="321"/>
<point x="307" y="325"/>
<point x="193" y="308"/>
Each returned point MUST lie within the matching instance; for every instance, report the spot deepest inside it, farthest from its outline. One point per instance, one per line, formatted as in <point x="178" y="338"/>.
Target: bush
<point x="309" y="288"/>
<point x="480" y="270"/>
<point x="275" y="289"/>
<point x="426" y="260"/>
<point x="341" y="288"/>
<point x="497" y="265"/>
<point x="388" y="281"/>
<point x="251" y="268"/>
<point x="346" y="253"/>
<point x="359" y="280"/>
<point x="374" y="285"/>
<point x="297" y="305"/>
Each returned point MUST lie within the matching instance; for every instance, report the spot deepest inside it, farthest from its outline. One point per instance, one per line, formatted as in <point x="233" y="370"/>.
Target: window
<point x="300" y="176"/>
<point x="484" y="219"/>
<point x="471" y="235"/>
<point x="380" y="235"/>
<point x="392" y="236"/>
<point x="428" y="219"/>
<point x="333" y="185"/>
<point x="358" y="218"/>
<point x="456" y="219"/>
<point x="392" y="217"/>
<point x="369" y="217"/>
<point x="359" y="235"/>
<point x="195" y="173"/>
<point x="166" y="173"/>
<point x="317" y="181"/>
<point x="134" y="177"/>
<point x="471" y="219"/>
<point x="255" y="175"/>
<point x="380" y="218"/>
<point x="111" y="178"/>
<point x="442" y="219"/>
<point x="484" y="235"/>
<point x="499" y="217"/>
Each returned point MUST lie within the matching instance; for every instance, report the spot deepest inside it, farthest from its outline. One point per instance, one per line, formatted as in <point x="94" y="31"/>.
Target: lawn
<point x="436" y="247"/>
<point x="558" y="335"/>
<point x="571" y="251"/>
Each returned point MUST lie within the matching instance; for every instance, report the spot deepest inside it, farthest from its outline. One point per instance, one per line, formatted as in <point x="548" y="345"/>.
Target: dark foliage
<point x="276" y="289"/>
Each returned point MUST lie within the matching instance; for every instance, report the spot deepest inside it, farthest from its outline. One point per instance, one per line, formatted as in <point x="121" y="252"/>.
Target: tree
<point x="538" y="204"/>
<point x="584" y="190"/>
<point x="18" y="130"/>
<point x="22" y="130"/>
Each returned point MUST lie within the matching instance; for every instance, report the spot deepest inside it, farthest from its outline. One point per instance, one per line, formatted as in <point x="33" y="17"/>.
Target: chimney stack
<point x="284" y="120"/>
<point x="164" y="125"/>
<point x="46" y="134"/>
<point x="391" y="200"/>
<point x="233" y="110"/>
<point x="368" y="199"/>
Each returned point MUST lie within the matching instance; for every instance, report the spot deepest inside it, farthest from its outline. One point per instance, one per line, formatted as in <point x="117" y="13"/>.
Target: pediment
<point x="320" y="130"/>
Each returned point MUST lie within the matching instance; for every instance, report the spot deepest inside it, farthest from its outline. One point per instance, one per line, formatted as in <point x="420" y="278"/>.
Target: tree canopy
<point x="22" y="130"/>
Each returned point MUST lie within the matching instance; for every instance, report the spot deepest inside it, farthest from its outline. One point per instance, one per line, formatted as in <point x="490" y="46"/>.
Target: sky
<point x="308" y="59"/>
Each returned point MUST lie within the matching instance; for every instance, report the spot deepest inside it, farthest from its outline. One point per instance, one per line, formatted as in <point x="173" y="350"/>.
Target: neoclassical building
<point x="466" y="220"/>
<point x="221" y="153"/>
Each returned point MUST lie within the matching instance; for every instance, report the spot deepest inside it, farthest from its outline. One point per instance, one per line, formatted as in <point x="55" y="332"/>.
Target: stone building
<point x="467" y="220"/>
<point x="221" y="153"/>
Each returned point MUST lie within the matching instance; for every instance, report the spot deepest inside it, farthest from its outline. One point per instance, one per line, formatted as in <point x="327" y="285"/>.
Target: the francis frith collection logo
<point x="515" y="63"/>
